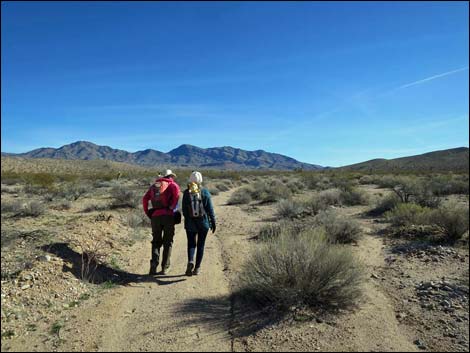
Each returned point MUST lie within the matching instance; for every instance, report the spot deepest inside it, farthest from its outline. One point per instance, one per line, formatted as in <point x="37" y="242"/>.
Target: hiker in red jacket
<point x="163" y="195"/>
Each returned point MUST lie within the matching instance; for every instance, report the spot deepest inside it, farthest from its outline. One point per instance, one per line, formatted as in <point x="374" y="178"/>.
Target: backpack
<point x="196" y="207"/>
<point x="158" y="189"/>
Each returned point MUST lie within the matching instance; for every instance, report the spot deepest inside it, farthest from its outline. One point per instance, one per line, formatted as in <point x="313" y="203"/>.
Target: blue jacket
<point x="196" y="225"/>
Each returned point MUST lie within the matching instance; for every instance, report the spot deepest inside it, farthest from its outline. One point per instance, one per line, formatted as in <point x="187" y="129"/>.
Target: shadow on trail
<point x="103" y="274"/>
<point x="226" y="314"/>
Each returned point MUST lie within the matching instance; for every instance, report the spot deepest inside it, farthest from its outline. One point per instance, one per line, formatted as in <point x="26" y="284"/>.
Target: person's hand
<point x="213" y="227"/>
<point x="149" y="213"/>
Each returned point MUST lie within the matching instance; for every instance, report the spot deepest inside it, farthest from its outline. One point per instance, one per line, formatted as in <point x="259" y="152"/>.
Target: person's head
<point x="195" y="177"/>
<point x="169" y="174"/>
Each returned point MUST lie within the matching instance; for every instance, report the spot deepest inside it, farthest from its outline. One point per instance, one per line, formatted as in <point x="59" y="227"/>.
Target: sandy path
<point x="156" y="314"/>
<point x="374" y="327"/>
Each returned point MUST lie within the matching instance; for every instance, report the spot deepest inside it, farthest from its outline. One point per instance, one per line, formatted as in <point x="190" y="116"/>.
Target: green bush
<point x="273" y="230"/>
<point x="385" y="204"/>
<point x="339" y="229"/>
<point x="406" y="214"/>
<point x="305" y="270"/>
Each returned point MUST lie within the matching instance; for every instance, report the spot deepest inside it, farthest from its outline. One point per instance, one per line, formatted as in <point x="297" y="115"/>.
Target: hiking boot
<point x="196" y="271"/>
<point x="189" y="269"/>
<point x="153" y="269"/>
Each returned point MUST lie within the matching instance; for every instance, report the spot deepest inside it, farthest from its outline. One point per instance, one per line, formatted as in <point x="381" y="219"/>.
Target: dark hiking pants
<point x="196" y="240"/>
<point x="163" y="231"/>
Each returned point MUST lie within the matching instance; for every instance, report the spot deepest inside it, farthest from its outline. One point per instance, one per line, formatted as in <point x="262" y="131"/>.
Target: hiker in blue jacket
<point x="199" y="217"/>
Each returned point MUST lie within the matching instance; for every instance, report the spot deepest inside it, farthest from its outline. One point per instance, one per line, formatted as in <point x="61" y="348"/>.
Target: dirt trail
<point x="155" y="314"/>
<point x="374" y="327"/>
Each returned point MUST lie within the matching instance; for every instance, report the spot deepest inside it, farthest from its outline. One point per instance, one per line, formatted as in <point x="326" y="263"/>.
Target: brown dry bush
<point x="94" y="252"/>
<point x="273" y="230"/>
<point x="306" y="270"/>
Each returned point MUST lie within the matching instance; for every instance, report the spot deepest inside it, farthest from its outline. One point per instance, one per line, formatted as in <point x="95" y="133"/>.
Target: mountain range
<point x="455" y="159"/>
<point x="182" y="156"/>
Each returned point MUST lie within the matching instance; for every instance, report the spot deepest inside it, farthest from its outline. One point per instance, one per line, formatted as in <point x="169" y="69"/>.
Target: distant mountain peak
<point x="185" y="155"/>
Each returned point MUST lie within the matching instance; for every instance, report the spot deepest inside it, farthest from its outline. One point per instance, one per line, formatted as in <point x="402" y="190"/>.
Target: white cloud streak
<point x="433" y="77"/>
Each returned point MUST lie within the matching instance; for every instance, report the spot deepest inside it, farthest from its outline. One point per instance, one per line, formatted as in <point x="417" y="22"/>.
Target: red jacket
<point x="169" y="198"/>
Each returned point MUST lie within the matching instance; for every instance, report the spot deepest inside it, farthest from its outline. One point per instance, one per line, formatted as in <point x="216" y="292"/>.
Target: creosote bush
<point x="353" y="197"/>
<point x="305" y="270"/>
<point x="323" y="200"/>
<point x="406" y="214"/>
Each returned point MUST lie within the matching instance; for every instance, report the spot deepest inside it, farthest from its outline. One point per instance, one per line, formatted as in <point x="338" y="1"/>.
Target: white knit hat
<point x="195" y="177"/>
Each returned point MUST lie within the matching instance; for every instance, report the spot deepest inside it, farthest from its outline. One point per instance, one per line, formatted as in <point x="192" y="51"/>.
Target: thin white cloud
<point x="433" y="77"/>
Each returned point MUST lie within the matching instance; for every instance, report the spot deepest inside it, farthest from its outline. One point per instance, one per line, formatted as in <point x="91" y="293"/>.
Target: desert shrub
<point x="12" y="206"/>
<point x="133" y="220"/>
<point x="123" y="197"/>
<point x="275" y="191"/>
<point x="353" y="197"/>
<point x="339" y="229"/>
<point x="443" y="185"/>
<point x="222" y="186"/>
<point x="289" y="209"/>
<point x="452" y="219"/>
<point x="63" y="205"/>
<point x="92" y="207"/>
<point x="41" y="180"/>
<point x="33" y="209"/>
<point x="405" y="214"/>
<point x="213" y="190"/>
<point x="295" y="186"/>
<point x="240" y="196"/>
<point x="426" y="198"/>
<point x="367" y="180"/>
<point x="306" y="270"/>
<point x="385" y="204"/>
<point x="323" y="200"/>
<point x="311" y="181"/>
<point x="273" y="230"/>
<point x="407" y="187"/>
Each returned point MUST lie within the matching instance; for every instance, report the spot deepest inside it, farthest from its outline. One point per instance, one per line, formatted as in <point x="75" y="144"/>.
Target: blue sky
<point x="329" y="83"/>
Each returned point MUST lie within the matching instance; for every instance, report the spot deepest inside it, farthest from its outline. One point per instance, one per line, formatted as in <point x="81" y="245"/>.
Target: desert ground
<point x="412" y="293"/>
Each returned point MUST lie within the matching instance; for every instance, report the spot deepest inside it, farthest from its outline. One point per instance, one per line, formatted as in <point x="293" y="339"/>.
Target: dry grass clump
<point x="305" y="270"/>
<point x="339" y="229"/>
